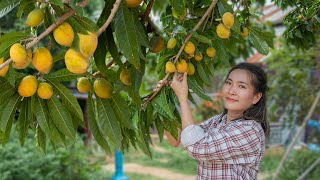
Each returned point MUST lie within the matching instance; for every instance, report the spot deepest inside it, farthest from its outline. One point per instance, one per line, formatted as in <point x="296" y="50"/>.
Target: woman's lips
<point x="230" y="99"/>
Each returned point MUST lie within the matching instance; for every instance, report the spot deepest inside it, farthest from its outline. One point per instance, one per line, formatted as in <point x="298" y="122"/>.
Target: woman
<point x="229" y="145"/>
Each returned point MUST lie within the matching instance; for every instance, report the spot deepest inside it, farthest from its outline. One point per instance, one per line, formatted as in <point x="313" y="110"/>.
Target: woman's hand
<point x="179" y="85"/>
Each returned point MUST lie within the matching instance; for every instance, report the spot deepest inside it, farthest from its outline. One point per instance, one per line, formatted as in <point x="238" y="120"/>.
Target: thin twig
<point x="84" y="3"/>
<point x="213" y="4"/>
<point x="44" y="34"/>
<point x="205" y="24"/>
<point x="110" y="18"/>
<point x="107" y="66"/>
<point x="148" y="10"/>
<point x="110" y="63"/>
<point x="27" y="39"/>
<point x="293" y="142"/>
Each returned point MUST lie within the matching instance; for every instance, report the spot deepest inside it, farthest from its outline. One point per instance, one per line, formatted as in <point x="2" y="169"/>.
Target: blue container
<point x="119" y="175"/>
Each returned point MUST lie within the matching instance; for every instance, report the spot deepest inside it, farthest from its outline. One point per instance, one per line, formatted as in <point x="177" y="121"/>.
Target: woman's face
<point x="238" y="92"/>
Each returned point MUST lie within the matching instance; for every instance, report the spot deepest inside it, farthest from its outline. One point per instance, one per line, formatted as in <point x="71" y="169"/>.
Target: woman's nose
<point x="231" y="90"/>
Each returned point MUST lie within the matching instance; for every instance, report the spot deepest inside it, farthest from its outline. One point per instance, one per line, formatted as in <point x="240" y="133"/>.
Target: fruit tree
<point x="111" y="57"/>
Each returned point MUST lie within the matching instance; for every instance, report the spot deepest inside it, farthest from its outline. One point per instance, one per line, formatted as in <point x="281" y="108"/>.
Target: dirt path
<point x="157" y="172"/>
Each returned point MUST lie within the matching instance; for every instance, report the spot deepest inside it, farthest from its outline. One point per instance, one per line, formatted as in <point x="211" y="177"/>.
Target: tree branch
<point x="213" y="4"/>
<point x="84" y="3"/>
<point x="110" y="18"/>
<point x="148" y="10"/>
<point x="294" y="140"/>
<point x="44" y="34"/>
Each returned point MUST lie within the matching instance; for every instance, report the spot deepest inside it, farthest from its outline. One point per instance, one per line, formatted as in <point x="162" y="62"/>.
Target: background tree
<point x="187" y="36"/>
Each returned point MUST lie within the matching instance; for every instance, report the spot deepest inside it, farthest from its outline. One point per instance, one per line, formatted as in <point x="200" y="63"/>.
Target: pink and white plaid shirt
<point x="225" y="151"/>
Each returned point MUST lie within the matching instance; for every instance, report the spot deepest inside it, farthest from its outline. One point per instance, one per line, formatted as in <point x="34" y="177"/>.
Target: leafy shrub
<point x="26" y="163"/>
<point x="298" y="162"/>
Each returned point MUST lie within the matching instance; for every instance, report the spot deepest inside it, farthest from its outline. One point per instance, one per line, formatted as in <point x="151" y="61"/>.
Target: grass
<point x="271" y="159"/>
<point x="174" y="159"/>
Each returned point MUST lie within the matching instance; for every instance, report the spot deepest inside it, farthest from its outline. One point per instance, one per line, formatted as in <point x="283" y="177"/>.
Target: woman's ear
<point x="256" y="98"/>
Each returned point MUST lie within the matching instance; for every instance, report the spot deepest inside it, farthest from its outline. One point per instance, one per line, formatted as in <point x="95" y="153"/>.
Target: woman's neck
<point x="233" y="116"/>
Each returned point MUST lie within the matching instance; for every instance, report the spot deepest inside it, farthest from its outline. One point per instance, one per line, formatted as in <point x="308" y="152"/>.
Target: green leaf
<point x="197" y="89"/>
<point x="105" y="12"/>
<point x="202" y="39"/>
<point x="25" y="4"/>
<point x="6" y="90"/>
<point x="41" y="139"/>
<point x="55" y="135"/>
<point x="100" y="54"/>
<point x="94" y="126"/>
<point x="260" y="44"/>
<point x="24" y="120"/>
<point x="266" y="36"/>
<point x="161" y="102"/>
<point x="178" y="6"/>
<point x="6" y="134"/>
<point x="121" y="109"/>
<point x="86" y="23"/>
<point x="12" y="37"/>
<point x="67" y="99"/>
<point x="133" y="90"/>
<point x="8" y="40"/>
<point x="127" y="36"/>
<point x="108" y="121"/>
<point x="57" y="2"/>
<point x="224" y="7"/>
<point x="112" y="47"/>
<point x="9" y="111"/>
<point x="7" y="5"/>
<point x="62" y="75"/>
<point x="59" y="56"/>
<point x="61" y="117"/>
<point x="141" y="32"/>
<point x="202" y="74"/>
<point x="222" y="53"/>
<point x="42" y="114"/>
<point x="160" y="128"/>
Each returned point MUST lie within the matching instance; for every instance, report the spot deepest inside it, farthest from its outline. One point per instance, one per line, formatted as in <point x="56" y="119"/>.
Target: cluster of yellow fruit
<point x="223" y="29"/>
<point x="29" y="86"/>
<point x="182" y="65"/>
<point x="76" y="62"/>
<point x="41" y="58"/>
<point x="101" y="87"/>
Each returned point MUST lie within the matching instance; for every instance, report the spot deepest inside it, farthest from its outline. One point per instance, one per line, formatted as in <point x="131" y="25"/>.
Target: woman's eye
<point x="243" y="87"/>
<point x="227" y="82"/>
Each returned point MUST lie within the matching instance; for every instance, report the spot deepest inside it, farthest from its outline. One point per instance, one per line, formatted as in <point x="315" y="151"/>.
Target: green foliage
<point x="6" y="6"/>
<point x="292" y="86"/>
<point x="297" y="164"/>
<point x="122" y="120"/>
<point x="303" y="23"/>
<point x="26" y="163"/>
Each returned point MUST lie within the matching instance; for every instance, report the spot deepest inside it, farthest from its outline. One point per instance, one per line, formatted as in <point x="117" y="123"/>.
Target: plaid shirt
<point x="225" y="151"/>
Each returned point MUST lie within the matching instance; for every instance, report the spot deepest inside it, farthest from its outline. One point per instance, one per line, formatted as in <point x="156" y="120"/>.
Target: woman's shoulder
<point x="214" y="119"/>
<point x="249" y="124"/>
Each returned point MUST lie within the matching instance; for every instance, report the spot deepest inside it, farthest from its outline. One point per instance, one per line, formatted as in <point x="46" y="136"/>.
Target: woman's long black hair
<point x="258" y="111"/>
